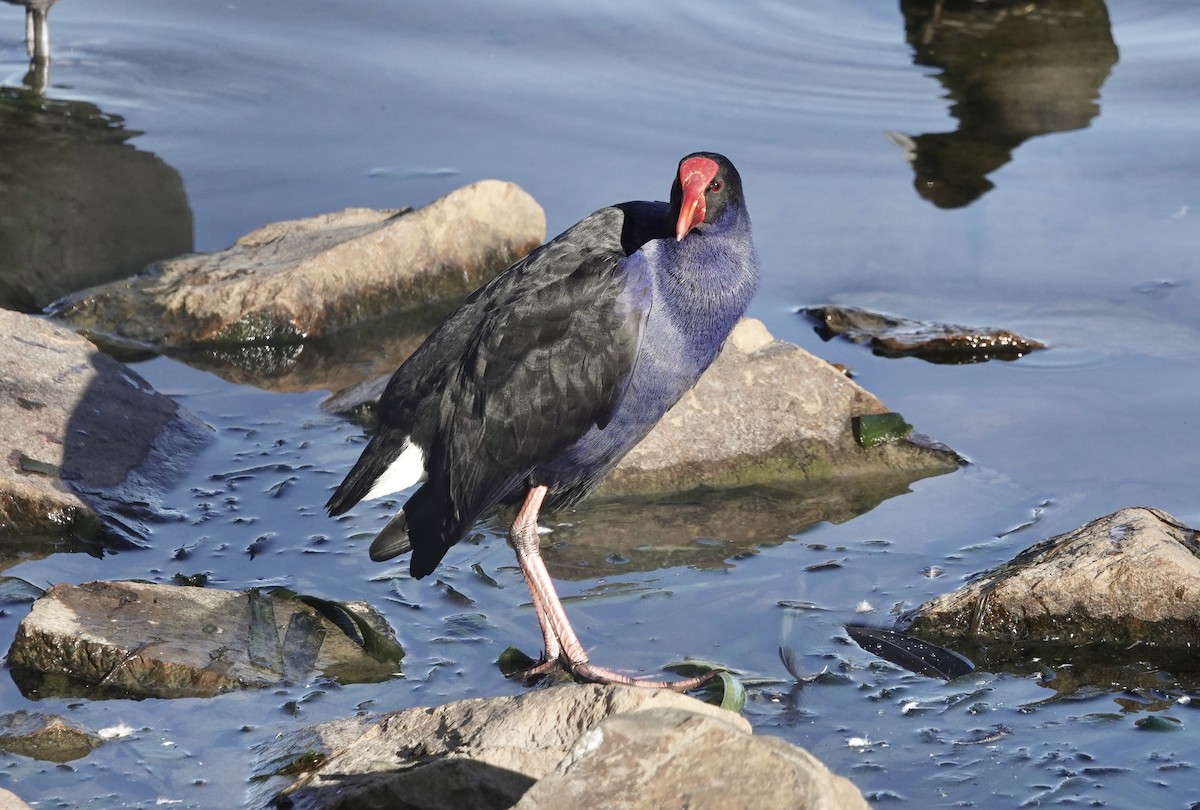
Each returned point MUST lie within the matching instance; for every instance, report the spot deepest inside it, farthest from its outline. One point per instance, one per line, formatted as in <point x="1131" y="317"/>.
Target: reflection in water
<point x="705" y="528"/>
<point x="79" y="205"/>
<point x="1012" y="71"/>
<point x="37" y="41"/>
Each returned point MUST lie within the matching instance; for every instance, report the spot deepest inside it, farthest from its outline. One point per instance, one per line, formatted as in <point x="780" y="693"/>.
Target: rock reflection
<point x="37" y="41"/>
<point x="364" y="353"/>
<point x="78" y="204"/>
<point x="704" y="528"/>
<point x="1012" y="71"/>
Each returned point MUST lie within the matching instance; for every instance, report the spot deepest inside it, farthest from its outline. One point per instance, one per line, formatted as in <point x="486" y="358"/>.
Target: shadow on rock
<point x="78" y="204"/>
<point x="88" y="446"/>
<point x="1012" y="71"/>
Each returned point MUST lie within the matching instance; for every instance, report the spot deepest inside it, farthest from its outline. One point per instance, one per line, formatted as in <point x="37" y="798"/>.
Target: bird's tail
<point x="393" y="540"/>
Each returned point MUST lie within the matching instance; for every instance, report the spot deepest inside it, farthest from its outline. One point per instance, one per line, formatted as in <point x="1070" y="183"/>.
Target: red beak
<point x="694" y="176"/>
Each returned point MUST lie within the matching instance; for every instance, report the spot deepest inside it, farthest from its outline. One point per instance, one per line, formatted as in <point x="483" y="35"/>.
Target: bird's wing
<point x="548" y="359"/>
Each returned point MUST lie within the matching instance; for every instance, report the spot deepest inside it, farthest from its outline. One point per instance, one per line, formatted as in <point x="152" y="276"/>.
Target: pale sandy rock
<point x="670" y="757"/>
<point x="11" y="801"/>
<point x="486" y="754"/>
<point x="766" y="409"/>
<point x="296" y="280"/>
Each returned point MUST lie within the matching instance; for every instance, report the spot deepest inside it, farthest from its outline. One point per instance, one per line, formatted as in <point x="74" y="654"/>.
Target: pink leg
<point x="561" y="642"/>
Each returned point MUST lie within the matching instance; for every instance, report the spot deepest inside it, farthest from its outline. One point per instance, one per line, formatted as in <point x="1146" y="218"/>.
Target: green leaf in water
<point x="1158" y="722"/>
<point x="513" y="662"/>
<point x="872" y="429"/>
<point x="356" y="627"/>
<point x="733" y="694"/>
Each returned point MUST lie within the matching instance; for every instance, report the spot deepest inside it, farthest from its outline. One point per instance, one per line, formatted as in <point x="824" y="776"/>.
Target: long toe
<point x="588" y="672"/>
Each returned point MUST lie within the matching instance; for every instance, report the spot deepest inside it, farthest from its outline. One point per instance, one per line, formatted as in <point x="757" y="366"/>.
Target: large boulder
<point x="486" y="754"/>
<point x="85" y="438"/>
<point x="674" y="757"/>
<point x="1129" y="578"/>
<point x="297" y="280"/>
<point x="137" y="639"/>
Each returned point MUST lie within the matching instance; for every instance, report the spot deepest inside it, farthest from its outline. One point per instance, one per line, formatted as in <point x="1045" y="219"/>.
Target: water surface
<point x="1078" y="228"/>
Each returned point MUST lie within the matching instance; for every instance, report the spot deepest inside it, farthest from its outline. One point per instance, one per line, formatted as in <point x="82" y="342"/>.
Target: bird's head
<point x="705" y="185"/>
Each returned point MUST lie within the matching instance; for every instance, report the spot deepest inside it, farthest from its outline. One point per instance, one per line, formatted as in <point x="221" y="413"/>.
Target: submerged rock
<point x="489" y="753"/>
<point x="291" y="281"/>
<point x="765" y="410"/>
<point x="1129" y="578"/>
<point x="86" y="442"/>
<point x="45" y="736"/>
<point x="935" y="342"/>
<point x="136" y="639"/>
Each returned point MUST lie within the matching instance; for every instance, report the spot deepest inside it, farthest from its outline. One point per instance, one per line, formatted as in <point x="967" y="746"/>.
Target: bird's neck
<point x="709" y="278"/>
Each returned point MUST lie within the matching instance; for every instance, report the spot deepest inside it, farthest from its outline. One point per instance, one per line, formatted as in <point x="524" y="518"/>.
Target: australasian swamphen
<point x="544" y="378"/>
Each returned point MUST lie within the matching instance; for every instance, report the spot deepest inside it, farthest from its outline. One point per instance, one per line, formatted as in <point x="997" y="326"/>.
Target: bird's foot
<point x="543" y="667"/>
<point x="589" y="673"/>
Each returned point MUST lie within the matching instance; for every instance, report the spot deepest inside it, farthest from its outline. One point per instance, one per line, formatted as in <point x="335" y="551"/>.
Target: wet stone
<point x="491" y="753"/>
<point x="87" y="443"/>
<point x="133" y="639"/>
<point x="45" y="736"/>
<point x="1127" y="580"/>
<point x="935" y="342"/>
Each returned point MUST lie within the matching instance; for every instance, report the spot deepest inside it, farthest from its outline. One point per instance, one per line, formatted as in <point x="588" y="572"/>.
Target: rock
<point x="293" y="281"/>
<point x="135" y="639"/>
<point x="765" y="410"/>
<point x="45" y="736"/>
<point x="669" y="757"/>
<point x="1129" y="578"/>
<point x="86" y="442"/>
<point x="934" y="342"/>
<point x="10" y="801"/>
<point x="487" y="753"/>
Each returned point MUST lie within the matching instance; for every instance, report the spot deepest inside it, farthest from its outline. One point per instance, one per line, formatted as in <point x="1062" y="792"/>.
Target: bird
<point x="534" y="388"/>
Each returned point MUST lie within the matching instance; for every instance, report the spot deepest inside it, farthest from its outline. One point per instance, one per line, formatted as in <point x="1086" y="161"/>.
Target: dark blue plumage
<point x="544" y="378"/>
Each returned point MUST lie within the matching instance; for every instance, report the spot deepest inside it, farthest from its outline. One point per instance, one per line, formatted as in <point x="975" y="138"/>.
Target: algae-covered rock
<point x="137" y="639"/>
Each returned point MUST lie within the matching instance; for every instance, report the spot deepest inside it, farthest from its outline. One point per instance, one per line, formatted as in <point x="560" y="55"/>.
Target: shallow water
<point x="1086" y="240"/>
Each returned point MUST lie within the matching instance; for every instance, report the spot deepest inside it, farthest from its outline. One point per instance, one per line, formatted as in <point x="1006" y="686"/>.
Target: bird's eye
<point x="716" y="185"/>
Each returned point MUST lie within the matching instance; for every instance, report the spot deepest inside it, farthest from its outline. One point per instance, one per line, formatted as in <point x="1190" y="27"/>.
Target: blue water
<point x="1087" y="241"/>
